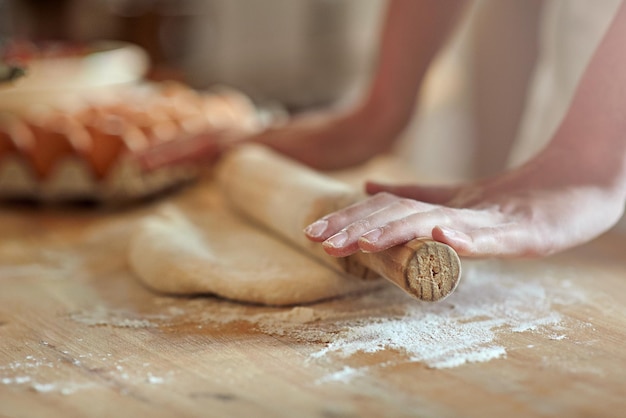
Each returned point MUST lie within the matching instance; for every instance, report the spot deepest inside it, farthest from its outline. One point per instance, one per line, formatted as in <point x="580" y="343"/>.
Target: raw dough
<point x="180" y="251"/>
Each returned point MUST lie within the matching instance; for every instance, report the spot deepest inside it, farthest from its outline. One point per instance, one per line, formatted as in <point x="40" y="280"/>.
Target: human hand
<point x="571" y="192"/>
<point x="522" y="213"/>
<point x="333" y="139"/>
<point x="198" y="149"/>
<point x="324" y="140"/>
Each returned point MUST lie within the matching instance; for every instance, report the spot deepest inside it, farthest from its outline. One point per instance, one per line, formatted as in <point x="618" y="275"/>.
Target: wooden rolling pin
<point x="285" y="196"/>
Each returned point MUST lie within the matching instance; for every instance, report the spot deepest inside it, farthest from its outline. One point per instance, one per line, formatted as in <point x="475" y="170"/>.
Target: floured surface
<point x="473" y="325"/>
<point x="81" y="336"/>
<point x="465" y="328"/>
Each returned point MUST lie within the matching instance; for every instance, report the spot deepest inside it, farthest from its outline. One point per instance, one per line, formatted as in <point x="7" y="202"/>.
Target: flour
<point x="113" y="318"/>
<point x="25" y="262"/>
<point x="43" y="374"/>
<point x="471" y="326"/>
<point x="300" y="315"/>
<point x="155" y="380"/>
<point x="346" y="374"/>
<point x="465" y="328"/>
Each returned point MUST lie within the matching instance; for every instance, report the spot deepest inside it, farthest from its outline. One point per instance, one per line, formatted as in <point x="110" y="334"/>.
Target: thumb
<point x="430" y="194"/>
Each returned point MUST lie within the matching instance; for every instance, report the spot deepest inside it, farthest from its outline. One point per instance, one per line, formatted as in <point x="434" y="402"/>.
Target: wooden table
<point x="80" y="336"/>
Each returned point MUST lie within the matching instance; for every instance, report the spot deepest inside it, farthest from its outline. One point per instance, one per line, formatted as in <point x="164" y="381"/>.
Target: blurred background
<point x="302" y="53"/>
<point x="305" y="54"/>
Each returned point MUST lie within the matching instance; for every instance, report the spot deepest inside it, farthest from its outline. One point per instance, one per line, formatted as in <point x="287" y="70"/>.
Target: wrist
<point x="381" y="119"/>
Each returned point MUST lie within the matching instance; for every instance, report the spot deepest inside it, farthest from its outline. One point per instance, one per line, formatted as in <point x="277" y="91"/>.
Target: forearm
<point x="592" y="138"/>
<point x="412" y="34"/>
<point x="571" y="192"/>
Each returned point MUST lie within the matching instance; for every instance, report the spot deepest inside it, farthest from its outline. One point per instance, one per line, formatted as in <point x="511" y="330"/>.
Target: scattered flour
<point x="155" y="380"/>
<point x="22" y="262"/>
<point x="468" y="327"/>
<point x="114" y="318"/>
<point x="465" y="328"/>
<point x="346" y="374"/>
<point x="51" y="374"/>
<point x="490" y="303"/>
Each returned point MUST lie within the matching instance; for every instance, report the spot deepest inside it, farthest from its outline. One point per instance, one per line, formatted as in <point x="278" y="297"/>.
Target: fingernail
<point x="336" y="240"/>
<point x="372" y="236"/>
<point x="317" y="228"/>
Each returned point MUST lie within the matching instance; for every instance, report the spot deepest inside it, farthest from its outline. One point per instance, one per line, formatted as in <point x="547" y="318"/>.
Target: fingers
<point x="430" y="194"/>
<point x="509" y="240"/>
<point x="396" y="223"/>
<point x="398" y="232"/>
<point x="199" y="148"/>
<point x="330" y="224"/>
<point x="385" y="220"/>
<point x="363" y="213"/>
<point x="340" y="231"/>
<point x="171" y="153"/>
<point x="422" y="225"/>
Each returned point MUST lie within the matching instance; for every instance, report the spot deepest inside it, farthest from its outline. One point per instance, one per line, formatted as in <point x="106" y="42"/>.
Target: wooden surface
<point x="79" y="336"/>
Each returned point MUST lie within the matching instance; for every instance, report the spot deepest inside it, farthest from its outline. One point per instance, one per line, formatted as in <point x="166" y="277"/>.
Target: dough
<point x="184" y="252"/>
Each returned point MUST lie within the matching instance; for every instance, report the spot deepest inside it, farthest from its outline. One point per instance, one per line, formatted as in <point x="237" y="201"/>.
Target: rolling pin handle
<point x="425" y="269"/>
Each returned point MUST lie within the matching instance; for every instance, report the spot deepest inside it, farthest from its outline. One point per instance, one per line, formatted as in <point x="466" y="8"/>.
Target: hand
<point x="537" y="210"/>
<point x="571" y="192"/>
<point x="198" y="149"/>
<point x="333" y="139"/>
<point x="324" y="140"/>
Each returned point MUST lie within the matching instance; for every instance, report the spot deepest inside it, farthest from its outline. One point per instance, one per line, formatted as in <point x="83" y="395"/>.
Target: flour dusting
<point x="51" y="375"/>
<point x="341" y="336"/>
<point x="105" y="317"/>
<point x="24" y="262"/>
<point x="465" y="328"/>
<point x="344" y="375"/>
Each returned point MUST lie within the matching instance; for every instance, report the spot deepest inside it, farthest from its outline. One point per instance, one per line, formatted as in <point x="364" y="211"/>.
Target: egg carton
<point x="84" y="150"/>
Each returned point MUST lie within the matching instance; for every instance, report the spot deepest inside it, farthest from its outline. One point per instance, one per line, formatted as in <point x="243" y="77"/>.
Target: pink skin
<point x="520" y="215"/>
<point x="571" y="192"/>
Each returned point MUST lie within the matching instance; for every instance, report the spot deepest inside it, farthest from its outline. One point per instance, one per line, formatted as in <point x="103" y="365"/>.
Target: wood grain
<point x="79" y="336"/>
<point x="425" y="269"/>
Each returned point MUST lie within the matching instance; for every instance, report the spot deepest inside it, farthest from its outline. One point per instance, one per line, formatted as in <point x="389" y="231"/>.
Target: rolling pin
<point x="285" y="196"/>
